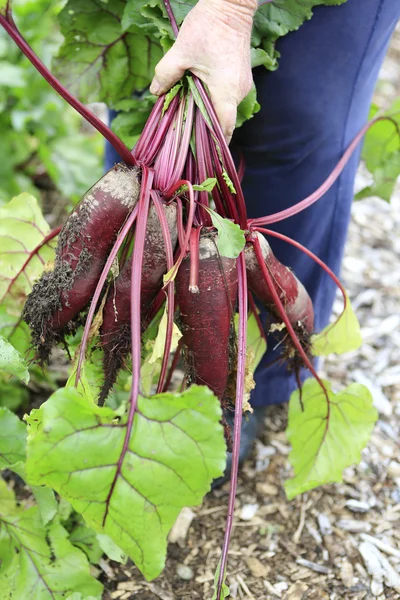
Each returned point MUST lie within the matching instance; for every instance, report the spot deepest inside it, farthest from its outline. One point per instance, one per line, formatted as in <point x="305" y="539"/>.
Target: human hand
<point x="214" y="43"/>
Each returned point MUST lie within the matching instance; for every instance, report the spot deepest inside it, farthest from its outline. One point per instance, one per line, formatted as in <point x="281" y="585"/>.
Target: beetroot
<point x="291" y="291"/>
<point x="115" y="330"/>
<point x="206" y="316"/>
<point x="83" y="245"/>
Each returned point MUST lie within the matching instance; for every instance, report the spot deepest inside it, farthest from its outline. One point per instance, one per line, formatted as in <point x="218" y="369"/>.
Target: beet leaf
<point x="326" y="437"/>
<point x="38" y="561"/>
<point x="175" y="450"/>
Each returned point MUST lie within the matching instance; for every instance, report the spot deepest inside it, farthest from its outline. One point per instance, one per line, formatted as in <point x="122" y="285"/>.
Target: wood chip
<point x="248" y="511"/>
<point x="358" y="506"/>
<point x="296" y="591"/>
<point x="324" y="524"/>
<point x="380" y="568"/>
<point x="181" y="526"/>
<point x="381" y="545"/>
<point x="354" y="526"/>
<point x="347" y="573"/>
<point x="244" y="587"/>
<point x="313" y="566"/>
<point x="159" y="591"/>
<point x="257" y="568"/>
<point x="267" y="489"/>
<point x="129" y="586"/>
<point x="271" y="589"/>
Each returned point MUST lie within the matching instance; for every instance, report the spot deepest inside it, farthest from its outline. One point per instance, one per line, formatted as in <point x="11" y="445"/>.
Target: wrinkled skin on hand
<point x="214" y="44"/>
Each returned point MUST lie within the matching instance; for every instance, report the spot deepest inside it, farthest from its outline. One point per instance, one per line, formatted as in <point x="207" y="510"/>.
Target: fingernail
<point x="155" y="87"/>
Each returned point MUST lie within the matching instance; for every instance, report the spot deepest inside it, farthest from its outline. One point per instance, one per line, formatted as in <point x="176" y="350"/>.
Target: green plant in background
<point x="42" y="144"/>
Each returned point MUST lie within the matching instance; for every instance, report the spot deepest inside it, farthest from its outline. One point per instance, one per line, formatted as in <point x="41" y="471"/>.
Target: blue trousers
<point x="311" y="108"/>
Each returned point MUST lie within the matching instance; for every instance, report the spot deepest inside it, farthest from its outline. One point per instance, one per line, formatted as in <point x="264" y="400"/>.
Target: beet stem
<point x="192" y="206"/>
<point x="171" y="17"/>
<point x="137" y="261"/>
<point x="241" y="370"/>
<point x="227" y="157"/>
<point x="136" y="282"/>
<point x="182" y="155"/>
<point x="326" y="185"/>
<point x="170" y="288"/>
<point x="194" y="260"/>
<point x="149" y="129"/>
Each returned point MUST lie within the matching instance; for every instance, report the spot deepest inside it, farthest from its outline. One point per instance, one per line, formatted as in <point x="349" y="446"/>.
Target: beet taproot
<point x="52" y="308"/>
<point x="206" y="317"/>
<point x="115" y="333"/>
<point x="295" y="299"/>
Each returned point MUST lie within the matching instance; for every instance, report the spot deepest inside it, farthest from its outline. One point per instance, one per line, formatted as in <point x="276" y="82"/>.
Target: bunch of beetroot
<point x="139" y="222"/>
<point x="143" y="236"/>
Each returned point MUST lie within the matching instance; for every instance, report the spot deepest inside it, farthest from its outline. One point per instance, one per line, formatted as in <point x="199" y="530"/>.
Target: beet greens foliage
<point x="114" y="478"/>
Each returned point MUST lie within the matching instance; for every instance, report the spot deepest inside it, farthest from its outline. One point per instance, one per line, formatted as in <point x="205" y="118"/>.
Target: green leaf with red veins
<point x="98" y="60"/>
<point x="22" y="229"/>
<point x="39" y="562"/>
<point x="326" y="437"/>
<point x="342" y="336"/>
<point x="168" y="461"/>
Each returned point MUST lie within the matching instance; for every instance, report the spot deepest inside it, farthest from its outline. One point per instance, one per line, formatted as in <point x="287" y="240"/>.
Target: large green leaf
<point x="342" y="336"/>
<point x="98" y="60"/>
<point x="130" y="488"/>
<point x="12" y="439"/>
<point x="327" y="436"/>
<point x="39" y="563"/>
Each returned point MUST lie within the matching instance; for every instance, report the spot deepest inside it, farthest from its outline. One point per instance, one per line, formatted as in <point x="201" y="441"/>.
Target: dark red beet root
<point x="115" y="330"/>
<point x="84" y="243"/>
<point x="206" y="316"/>
<point x="291" y="291"/>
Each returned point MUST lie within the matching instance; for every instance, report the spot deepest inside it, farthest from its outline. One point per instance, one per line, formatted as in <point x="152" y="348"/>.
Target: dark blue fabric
<point x="312" y="107"/>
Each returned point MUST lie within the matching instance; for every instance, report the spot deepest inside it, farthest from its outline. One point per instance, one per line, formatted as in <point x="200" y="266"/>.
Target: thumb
<point x="168" y="71"/>
<point x="226" y="109"/>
